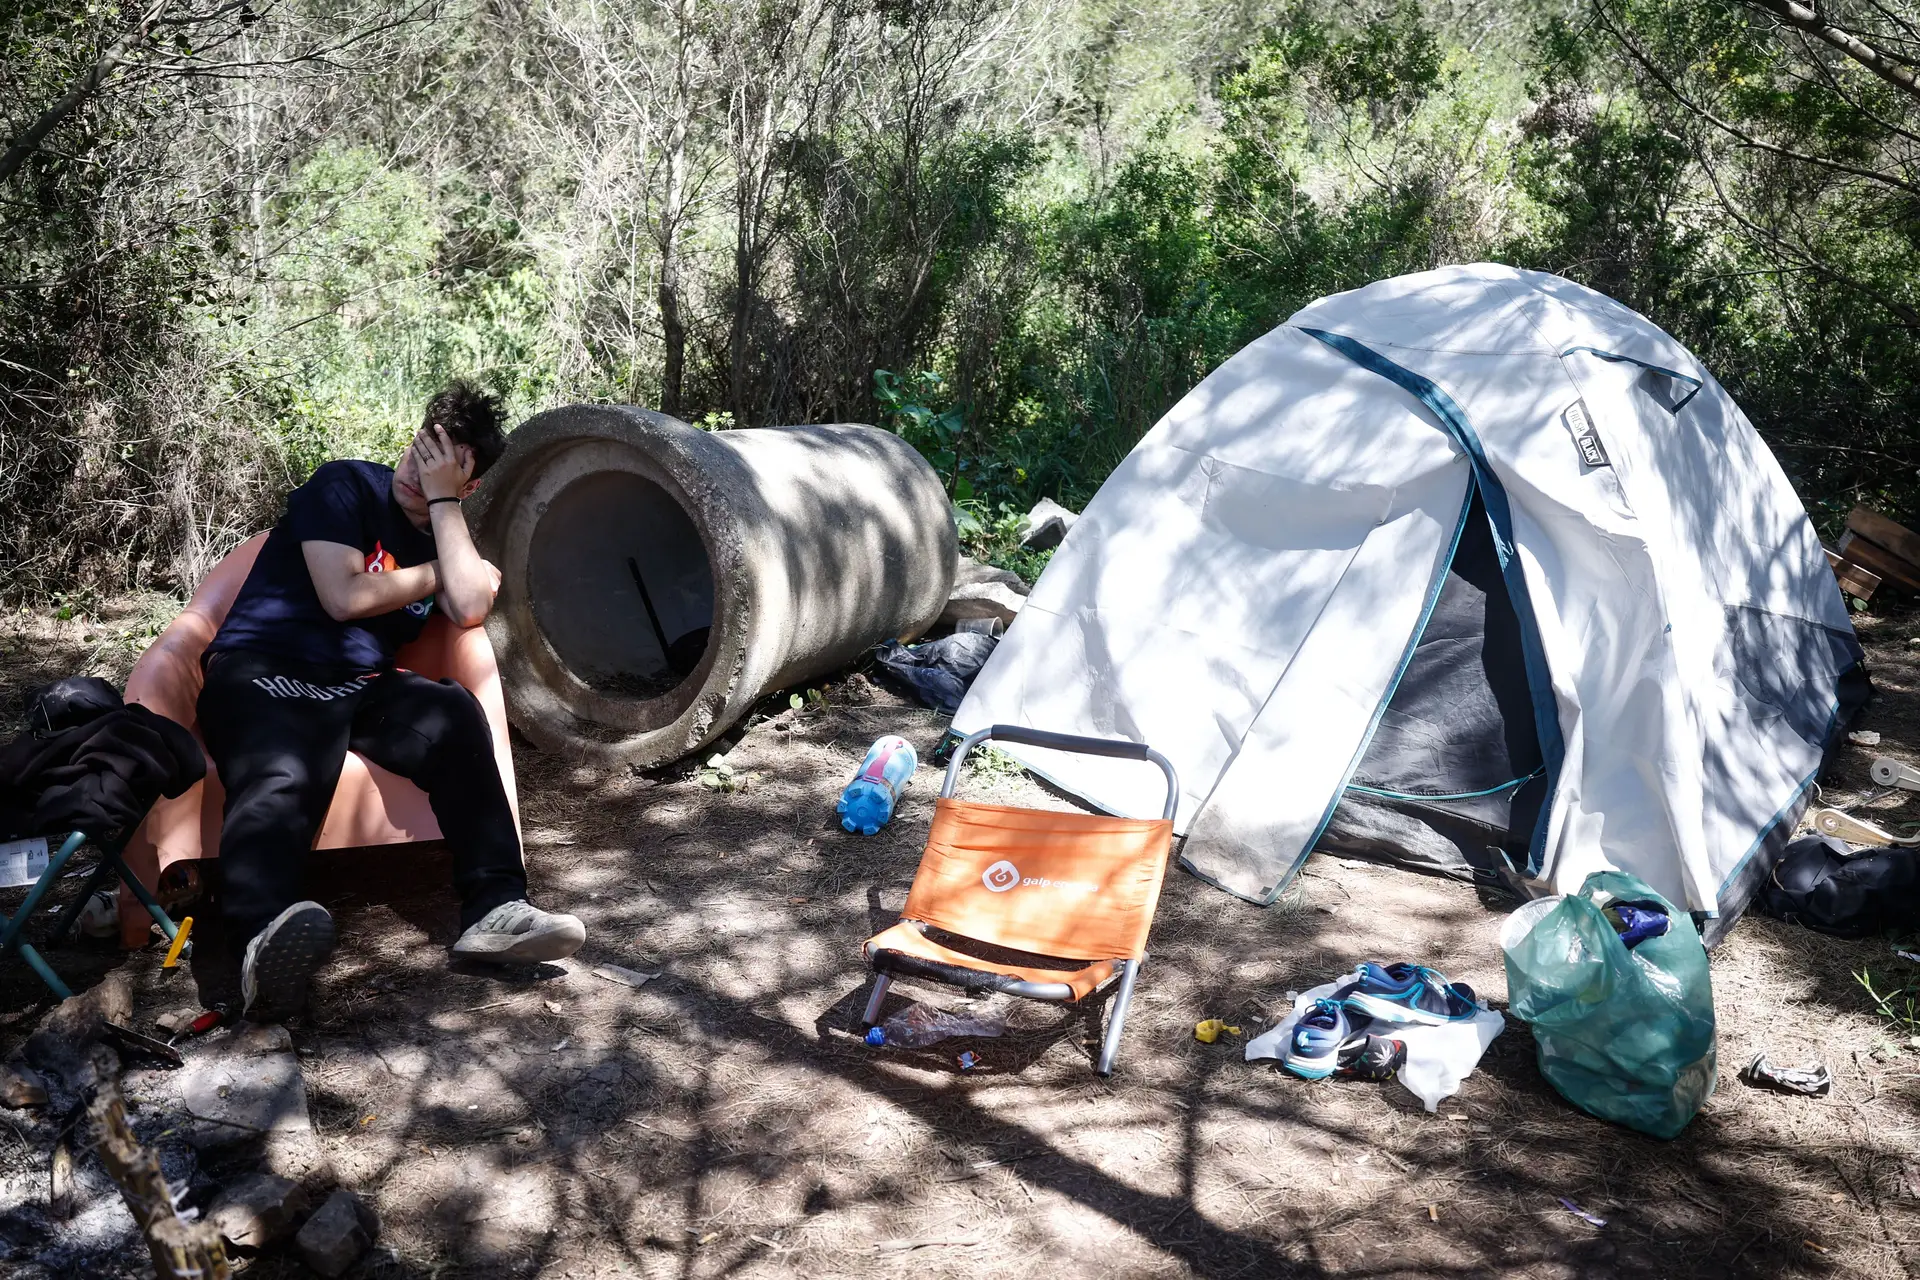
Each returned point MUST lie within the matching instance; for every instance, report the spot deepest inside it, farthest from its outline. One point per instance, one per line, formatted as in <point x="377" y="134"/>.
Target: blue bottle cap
<point x="876" y="1036"/>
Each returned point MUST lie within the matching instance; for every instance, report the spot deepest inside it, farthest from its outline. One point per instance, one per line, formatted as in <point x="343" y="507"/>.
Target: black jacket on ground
<point x="1822" y="884"/>
<point x="89" y="763"/>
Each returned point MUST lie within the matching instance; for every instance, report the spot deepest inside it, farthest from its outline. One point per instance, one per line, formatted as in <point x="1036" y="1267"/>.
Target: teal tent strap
<point x="1385" y="794"/>
<point x="1453" y="419"/>
<point x="1616" y="358"/>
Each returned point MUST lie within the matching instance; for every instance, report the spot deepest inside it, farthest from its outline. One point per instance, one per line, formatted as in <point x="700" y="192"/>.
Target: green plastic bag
<point x="1625" y="1035"/>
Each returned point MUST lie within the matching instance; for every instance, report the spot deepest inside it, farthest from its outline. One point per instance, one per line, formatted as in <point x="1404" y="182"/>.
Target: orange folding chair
<point x="1062" y="901"/>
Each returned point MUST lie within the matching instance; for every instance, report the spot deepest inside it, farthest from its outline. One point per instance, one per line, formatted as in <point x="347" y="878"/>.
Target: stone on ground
<point x="982" y="600"/>
<point x="176" y="1022"/>
<point x="60" y="1045"/>
<point x="337" y="1234"/>
<point x="1046" y="525"/>
<point x="245" y="1090"/>
<point x="20" y="1087"/>
<point x="258" y="1211"/>
<point x="970" y="572"/>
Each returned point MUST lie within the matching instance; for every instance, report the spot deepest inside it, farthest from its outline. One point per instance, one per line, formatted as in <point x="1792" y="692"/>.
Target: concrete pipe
<point x="658" y="580"/>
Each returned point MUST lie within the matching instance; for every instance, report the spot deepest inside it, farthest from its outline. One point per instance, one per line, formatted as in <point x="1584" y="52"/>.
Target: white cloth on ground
<point x="1438" y="1058"/>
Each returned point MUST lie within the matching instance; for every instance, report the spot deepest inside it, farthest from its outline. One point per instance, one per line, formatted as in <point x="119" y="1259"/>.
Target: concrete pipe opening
<point x="658" y="580"/>
<point x="620" y="585"/>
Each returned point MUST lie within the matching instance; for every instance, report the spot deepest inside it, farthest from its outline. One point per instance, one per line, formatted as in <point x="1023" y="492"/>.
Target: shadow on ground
<point x="724" y="1119"/>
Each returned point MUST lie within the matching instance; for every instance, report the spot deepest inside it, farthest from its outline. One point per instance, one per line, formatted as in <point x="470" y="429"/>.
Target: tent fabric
<point x="1278" y="589"/>
<point x="1463" y="712"/>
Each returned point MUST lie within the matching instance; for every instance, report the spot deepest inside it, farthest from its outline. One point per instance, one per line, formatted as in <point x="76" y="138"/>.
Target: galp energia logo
<point x="1001" y="876"/>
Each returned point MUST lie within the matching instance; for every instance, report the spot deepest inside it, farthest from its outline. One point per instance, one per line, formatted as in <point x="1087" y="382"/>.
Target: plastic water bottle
<point x="867" y="803"/>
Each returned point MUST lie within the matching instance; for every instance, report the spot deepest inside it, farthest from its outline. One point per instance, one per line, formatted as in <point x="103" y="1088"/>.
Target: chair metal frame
<point x="886" y="964"/>
<point x="12" y="931"/>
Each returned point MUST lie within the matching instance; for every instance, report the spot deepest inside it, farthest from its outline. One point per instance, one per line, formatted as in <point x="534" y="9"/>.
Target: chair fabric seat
<point x="906" y="938"/>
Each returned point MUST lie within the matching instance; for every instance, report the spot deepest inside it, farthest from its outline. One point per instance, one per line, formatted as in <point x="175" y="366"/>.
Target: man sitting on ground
<point x="302" y="671"/>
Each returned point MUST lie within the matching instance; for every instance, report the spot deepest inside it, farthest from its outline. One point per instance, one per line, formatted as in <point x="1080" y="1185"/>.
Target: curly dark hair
<point x="471" y="417"/>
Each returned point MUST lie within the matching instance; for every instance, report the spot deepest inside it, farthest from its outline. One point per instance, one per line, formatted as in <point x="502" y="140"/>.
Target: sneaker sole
<point x="555" y="942"/>
<point x="298" y="942"/>
<point x="1311" y="1068"/>
<point x="1387" y="1011"/>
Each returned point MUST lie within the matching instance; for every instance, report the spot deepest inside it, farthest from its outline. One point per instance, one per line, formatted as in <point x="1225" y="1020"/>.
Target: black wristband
<point x="431" y="501"/>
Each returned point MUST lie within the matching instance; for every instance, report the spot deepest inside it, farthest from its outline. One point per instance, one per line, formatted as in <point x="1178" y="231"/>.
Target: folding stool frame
<point x="887" y="964"/>
<point x="12" y="935"/>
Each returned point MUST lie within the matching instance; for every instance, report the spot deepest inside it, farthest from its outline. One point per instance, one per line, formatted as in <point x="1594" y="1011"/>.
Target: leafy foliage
<point x="1014" y="231"/>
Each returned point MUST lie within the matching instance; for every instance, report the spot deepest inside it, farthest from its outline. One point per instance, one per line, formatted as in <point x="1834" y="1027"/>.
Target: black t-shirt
<point x="279" y="612"/>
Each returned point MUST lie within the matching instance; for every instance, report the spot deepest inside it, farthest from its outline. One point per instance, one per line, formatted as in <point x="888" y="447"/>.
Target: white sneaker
<point x="100" y="918"/>
<point x="520" y="933"/>
<point x="281" y="959"/>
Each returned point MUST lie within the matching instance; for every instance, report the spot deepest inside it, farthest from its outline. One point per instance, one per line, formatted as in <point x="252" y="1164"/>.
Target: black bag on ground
<point x="939" y="671"/>
<point x="1819" y="884"/>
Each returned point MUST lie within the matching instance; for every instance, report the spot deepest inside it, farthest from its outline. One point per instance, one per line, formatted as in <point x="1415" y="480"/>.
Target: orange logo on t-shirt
<point x="380" y="561"/>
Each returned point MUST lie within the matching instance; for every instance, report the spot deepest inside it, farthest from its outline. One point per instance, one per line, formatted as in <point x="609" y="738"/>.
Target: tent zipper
<point x="1546" y="716"/>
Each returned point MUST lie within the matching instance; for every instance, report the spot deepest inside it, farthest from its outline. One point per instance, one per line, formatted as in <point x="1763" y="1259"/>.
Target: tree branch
<point x="1734" y="131"/>
<point x="85" y="87"/>
<point x="1803" y="18"/>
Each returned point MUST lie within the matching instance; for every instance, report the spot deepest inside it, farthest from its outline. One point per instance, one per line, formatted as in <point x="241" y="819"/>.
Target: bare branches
<point x="168" y="45"/>
<point x="1741" y="135"/>
<point x="117" y="55"/>
<point x="1895" y="70"/>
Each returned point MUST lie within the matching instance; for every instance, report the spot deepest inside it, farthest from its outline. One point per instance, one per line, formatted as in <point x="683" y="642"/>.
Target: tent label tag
<point x="1585" y="438"/>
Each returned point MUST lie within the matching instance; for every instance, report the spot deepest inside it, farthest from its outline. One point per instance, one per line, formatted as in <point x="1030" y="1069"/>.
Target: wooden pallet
<point x="1872" y="551"/>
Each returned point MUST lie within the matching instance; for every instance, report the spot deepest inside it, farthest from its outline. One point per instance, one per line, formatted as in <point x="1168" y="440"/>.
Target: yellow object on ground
<point x="179" y="940"/>
<point x="1209" y="1031"/>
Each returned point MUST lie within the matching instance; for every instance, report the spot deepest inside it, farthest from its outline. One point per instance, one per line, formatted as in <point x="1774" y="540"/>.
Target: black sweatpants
<point x="279" y="732"/>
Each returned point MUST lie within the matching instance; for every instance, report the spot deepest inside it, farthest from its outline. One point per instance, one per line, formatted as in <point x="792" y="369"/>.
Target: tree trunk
<point x="753" y="155"/>
<point x="1803" y="18"/>
<point x="85" y="87"/>
<point x="673" y="328"/>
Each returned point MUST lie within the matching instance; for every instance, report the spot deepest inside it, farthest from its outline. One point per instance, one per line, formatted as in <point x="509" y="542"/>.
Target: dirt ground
<point x="725" y="1120"/>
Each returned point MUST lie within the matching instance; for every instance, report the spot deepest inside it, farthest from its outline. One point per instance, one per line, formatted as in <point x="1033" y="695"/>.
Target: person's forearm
<point x="466" y="588"/>
<point x="368" y="595"/>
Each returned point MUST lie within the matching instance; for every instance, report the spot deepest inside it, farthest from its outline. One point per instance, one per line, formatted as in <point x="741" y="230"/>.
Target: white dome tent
<point x="1475" y="569"/>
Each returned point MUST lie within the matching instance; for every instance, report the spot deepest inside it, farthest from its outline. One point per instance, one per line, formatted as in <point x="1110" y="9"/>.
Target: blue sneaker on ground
<point x="1314" y="1053"/>
<point x="1409" y="993"/>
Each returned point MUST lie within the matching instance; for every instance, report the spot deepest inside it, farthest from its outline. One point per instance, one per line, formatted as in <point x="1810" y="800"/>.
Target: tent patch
<point x="1585" y="438"/>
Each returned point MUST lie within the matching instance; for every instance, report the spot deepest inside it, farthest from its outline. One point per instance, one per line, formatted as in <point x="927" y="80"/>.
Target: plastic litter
<point x="1209" y="1031"/>
<point x="1813" y="1082"/>
<point x="1624" y="1035"/>
<point x="939" y="671"/>
<point x="100" y="918"/>
<point x="1580" y="1213"/>
<point x="1635" y="922"/>
<point x="22" y="862"/>
<point x="968" y="1061"/>
<point x="866" y="805"/>
<point x="625" y="977"/>
<point x="180" y="936"/>
<point x="919" y="1025"/>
